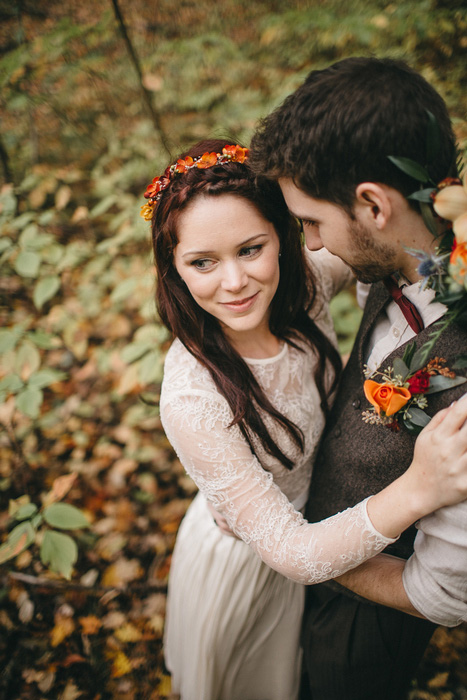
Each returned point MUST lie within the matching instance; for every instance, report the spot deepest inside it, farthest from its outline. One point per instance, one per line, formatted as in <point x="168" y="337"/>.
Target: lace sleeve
<point x="220" y="462"/>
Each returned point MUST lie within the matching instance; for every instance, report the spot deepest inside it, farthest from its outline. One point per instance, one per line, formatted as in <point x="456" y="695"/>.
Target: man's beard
<point x="373" y="261"/>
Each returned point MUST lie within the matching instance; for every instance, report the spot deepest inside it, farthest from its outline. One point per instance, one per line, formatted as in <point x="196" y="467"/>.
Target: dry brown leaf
<point x="60" y="488"/>
<point x="25" y="607"/>
<point x="122" y="572"/>
<point x="90" y="624"/>
<point x="156" y="623"/>
<point x="128" y="633"/>
<point x="121" y="665"/>
<point x="80" y="214"/>
<point x="62" y="197"/>
<point x="152" y="82"/>
<point x="64" y="626"/>
<point x="439" y="681"/>
<point x="71" y="692"/>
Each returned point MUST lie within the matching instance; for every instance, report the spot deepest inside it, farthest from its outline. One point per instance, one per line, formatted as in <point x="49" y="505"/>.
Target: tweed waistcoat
<point x="358" y="459"/>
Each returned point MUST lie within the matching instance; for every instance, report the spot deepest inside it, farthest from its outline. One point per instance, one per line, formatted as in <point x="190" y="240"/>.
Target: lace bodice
<point x="255" y="494"/>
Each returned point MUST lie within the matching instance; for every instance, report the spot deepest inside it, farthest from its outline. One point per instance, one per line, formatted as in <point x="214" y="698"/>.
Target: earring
<point x="280" y="254"/>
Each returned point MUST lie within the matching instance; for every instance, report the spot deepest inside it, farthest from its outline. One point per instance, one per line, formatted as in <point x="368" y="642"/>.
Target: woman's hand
<point x="221" y="522"/>
<point x="440" y="456"/>
<point x="437" y="476"/>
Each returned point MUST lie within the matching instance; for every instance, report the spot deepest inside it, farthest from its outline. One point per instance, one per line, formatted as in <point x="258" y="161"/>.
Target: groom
<point x="328" y="145"/>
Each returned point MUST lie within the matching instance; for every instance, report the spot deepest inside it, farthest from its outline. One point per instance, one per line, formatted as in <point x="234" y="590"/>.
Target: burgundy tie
<point x="409" y="310"/>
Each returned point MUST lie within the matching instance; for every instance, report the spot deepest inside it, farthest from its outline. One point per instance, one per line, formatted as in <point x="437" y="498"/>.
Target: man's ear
<point x="374" y="202"/>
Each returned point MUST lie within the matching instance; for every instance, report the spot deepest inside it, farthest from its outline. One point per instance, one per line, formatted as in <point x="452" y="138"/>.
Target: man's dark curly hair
<point x="338" y="129"/>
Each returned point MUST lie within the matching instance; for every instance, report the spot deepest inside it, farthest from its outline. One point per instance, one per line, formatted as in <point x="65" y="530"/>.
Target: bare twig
<point x="147" y="98"/>
<point x="5" y="162"/>
<point x="94" y="590"/>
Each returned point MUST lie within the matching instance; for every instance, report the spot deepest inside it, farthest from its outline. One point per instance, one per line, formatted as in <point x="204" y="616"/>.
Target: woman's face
<point x="228" y="256"/>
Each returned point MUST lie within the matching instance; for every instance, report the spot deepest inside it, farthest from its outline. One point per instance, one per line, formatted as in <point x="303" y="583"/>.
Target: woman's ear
<point x="374" y="202"/>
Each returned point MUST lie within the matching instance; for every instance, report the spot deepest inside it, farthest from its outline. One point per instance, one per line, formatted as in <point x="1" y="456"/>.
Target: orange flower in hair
<point x="183" y="164"/>
<point x="207" y="160"/>
<point x="230" y="154"/>
<point x="236" y="153"/>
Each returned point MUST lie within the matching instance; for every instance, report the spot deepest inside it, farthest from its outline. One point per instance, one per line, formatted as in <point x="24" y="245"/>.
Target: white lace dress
<point x="235" y="606"/>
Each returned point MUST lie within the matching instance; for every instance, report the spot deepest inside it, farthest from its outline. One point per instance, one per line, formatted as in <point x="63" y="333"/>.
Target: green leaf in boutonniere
<point x="440" y="383"/>
<point x="400" y="368"/>
<point x="414" y="420"/>
<point x="460" y="363"/>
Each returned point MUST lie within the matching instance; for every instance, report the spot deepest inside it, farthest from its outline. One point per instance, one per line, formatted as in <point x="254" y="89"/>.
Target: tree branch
<point x="146" y="95"/>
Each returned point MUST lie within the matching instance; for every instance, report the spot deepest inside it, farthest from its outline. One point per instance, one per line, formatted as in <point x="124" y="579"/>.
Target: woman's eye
<point x="250" y="251"/>
<point x="203" y="264"/>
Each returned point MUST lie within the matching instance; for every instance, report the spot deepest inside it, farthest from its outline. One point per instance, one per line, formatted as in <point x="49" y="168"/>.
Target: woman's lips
<point x="241" y="304"/>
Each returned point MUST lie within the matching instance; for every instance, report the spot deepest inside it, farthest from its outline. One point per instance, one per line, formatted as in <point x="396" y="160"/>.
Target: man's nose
<point x="312" y="238"/>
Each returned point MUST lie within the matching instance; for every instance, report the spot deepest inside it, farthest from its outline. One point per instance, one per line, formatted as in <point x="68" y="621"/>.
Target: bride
<point x="248" y="382"/>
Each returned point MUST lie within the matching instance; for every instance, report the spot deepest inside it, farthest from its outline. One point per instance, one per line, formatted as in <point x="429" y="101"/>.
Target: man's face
<point x="328" y="225"/>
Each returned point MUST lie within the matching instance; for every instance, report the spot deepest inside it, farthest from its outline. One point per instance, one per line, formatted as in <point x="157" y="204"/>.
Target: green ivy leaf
<point x="11" y="383"/>
<point x="27" y="359"/>
<point x="27" y="264"/>
<point x="150" y="369"/>
<point x="29" y="401"/>
<point x="440" y="383"/>
<point x="45" y="289"/>
<point x="60" y="552"/>
<point x="19" y="539"/>
<point x="411" y="167"/>
<point x="65" y="516"/>
<point x="133" y="351"/>
<point x="9" y="337"/>
<point x="41" y="339"/>
<point x="26" y="511"/>
<point x="45" y="377"/>
<point x="5" y="243"/>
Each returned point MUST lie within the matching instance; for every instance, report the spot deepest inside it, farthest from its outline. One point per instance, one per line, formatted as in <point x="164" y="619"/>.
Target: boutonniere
<point x="402" y="394"/>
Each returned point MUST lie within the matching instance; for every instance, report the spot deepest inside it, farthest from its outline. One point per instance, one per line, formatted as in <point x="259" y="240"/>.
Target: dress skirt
<point x="233" y="624"/>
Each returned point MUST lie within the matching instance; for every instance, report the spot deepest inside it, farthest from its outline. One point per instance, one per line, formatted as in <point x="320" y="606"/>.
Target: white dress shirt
<point x="435" y="576"/>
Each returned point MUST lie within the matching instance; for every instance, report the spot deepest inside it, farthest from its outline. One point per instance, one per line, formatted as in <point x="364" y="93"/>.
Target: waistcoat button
<point x="356" y="403"/>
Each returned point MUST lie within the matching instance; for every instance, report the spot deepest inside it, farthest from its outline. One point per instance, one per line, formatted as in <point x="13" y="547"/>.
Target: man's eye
<point x="307" y="222"/>
<point x="250" y="250"/>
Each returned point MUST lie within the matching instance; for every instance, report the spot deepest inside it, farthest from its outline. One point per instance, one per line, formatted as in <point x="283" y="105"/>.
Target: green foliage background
<point x="80" y="340"/>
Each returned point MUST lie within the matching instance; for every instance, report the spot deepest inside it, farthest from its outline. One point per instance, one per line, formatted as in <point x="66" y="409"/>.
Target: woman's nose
<point x="234" y="277"/>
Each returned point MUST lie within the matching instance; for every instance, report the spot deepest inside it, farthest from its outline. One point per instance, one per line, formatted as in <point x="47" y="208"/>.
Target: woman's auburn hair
<point x="202" y="334"/>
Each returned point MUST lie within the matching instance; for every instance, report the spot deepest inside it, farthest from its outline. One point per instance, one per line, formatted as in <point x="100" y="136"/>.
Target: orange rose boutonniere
<point x="402" y="395"/>
<point x="386" y="397"/>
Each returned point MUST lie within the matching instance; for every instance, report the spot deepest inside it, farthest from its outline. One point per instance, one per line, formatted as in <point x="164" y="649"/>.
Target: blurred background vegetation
<point x="95" y="99"/>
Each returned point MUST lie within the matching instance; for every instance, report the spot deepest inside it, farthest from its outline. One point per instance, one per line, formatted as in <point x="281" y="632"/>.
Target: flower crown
<point x="230" y="154"/>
